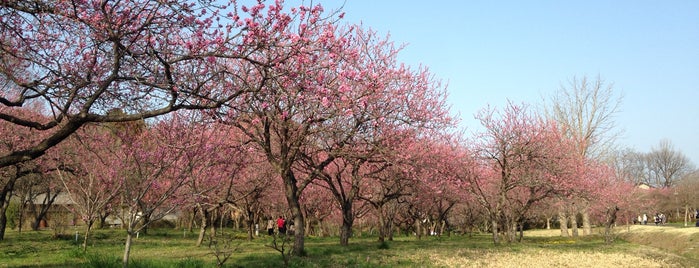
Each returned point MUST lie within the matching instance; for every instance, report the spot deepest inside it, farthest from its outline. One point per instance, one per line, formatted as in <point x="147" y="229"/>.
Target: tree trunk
<point x="87" y="233"/>
<point x="587" y="227"/>
<point x="521" y="231"/>
<point x="686" y="215"/>
<point x="23" y="208"/>
<point x="221" y="218"/>
<point x="127" y="249"/>
<point x="308" y="228"/>
<point x="5" y="199"/>
<point x="418" y="229"/>
<point x="146" y="218"/>
<point x="382" y="231"/>
<point x="192" y="216"/>
<point x="574" y="224"/>
<point x="389" y="228"/>
<point x="291" y="192"/>
<point x="212" y="230"/>
<point x="3" y="218"/>
<point x="563" y="221"/>
<point x="37" y="219"/>
<point x="347" y="222"/>
<point x="251" y="224"/>
<point x="511" y="232"/>
<point x="611" y="221"/>
<point x="494" y="226"/>
<point x="20" y="216"/>
<point x="103" y="219"/>
<point x="443" y="228"/>
<point x="204" y="223"/>
<point x="43" y="209"/>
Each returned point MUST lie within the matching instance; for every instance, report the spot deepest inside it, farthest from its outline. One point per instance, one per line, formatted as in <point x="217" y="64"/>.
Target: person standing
<point x="270" y="226"/>
<point x="281" y="225"/>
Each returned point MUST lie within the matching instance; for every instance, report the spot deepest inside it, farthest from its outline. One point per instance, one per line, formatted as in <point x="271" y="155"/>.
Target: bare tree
<point x="686" y="195"/>
<point x="585" y="110"/>
<point x="667" y="165"/>
<point x="633" y="166"/>
<point x="663" y="166"/>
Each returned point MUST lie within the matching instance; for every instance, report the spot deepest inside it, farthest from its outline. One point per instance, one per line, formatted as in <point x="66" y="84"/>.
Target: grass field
<point x="637" y="246"/>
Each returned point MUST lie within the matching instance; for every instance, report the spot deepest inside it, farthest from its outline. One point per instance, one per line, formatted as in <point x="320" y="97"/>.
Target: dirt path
<point x="655" y="246"/>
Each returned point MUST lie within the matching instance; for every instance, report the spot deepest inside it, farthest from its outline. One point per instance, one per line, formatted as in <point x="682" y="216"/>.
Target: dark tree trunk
<point x="3" y="217"/>
<point x="292" y="198"/>
<point x="43" y="209"/>
<point x="521" y="231"/>
<point x="347" y="222"/>
<point x="611" y="221"/>
<point x="389" y="228"/>
<point x="146" y="219"/>
<point x="20" y="217"/>
<point x="382" y="230"/>
<point x="103" y="219"/>
<point x="250" y="221"/>
<point x="5" y="199"/>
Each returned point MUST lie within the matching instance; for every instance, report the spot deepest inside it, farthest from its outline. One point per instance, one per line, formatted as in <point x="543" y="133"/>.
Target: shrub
<point x="12" y="215"/>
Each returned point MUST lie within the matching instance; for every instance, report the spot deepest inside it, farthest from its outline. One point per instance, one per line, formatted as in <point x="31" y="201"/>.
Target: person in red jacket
<point x="281" y="225"/>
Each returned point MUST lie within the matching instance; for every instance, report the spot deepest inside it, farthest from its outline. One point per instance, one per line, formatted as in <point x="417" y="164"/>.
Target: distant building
<point x="643" y="186"/>
<point x="58" y="212"/>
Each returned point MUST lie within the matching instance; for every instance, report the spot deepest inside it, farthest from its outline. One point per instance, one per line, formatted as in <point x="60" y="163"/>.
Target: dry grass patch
<point x="683" y="241"/>
<point x="531" y="257"/>
<point x="542" y="233"/>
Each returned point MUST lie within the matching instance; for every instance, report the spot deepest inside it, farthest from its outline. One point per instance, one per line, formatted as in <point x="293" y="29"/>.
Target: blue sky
<point x="492" y="51"/>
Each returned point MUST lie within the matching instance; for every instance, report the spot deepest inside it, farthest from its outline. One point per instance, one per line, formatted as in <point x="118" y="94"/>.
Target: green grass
<point x="170" y="248"/>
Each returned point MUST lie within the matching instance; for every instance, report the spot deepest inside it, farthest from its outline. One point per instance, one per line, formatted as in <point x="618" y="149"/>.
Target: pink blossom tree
<point x="86" y="174"/>
<point x="17" y="138"/>
<point x="153" y="166"/>
<point x="83" y="58"/>
<point x="352" y="156"/>
<point x="393" y="180"/>
<point x="255" y="184"/>
<point x="440" y="188"/>
<point x="520" y="161"/>
<point x="212" y="161"/>
<point x="319" y="209"/>
<point x="313" y="91"/>
<point x="344" y="178"/>
<point x="613" y="198"/>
